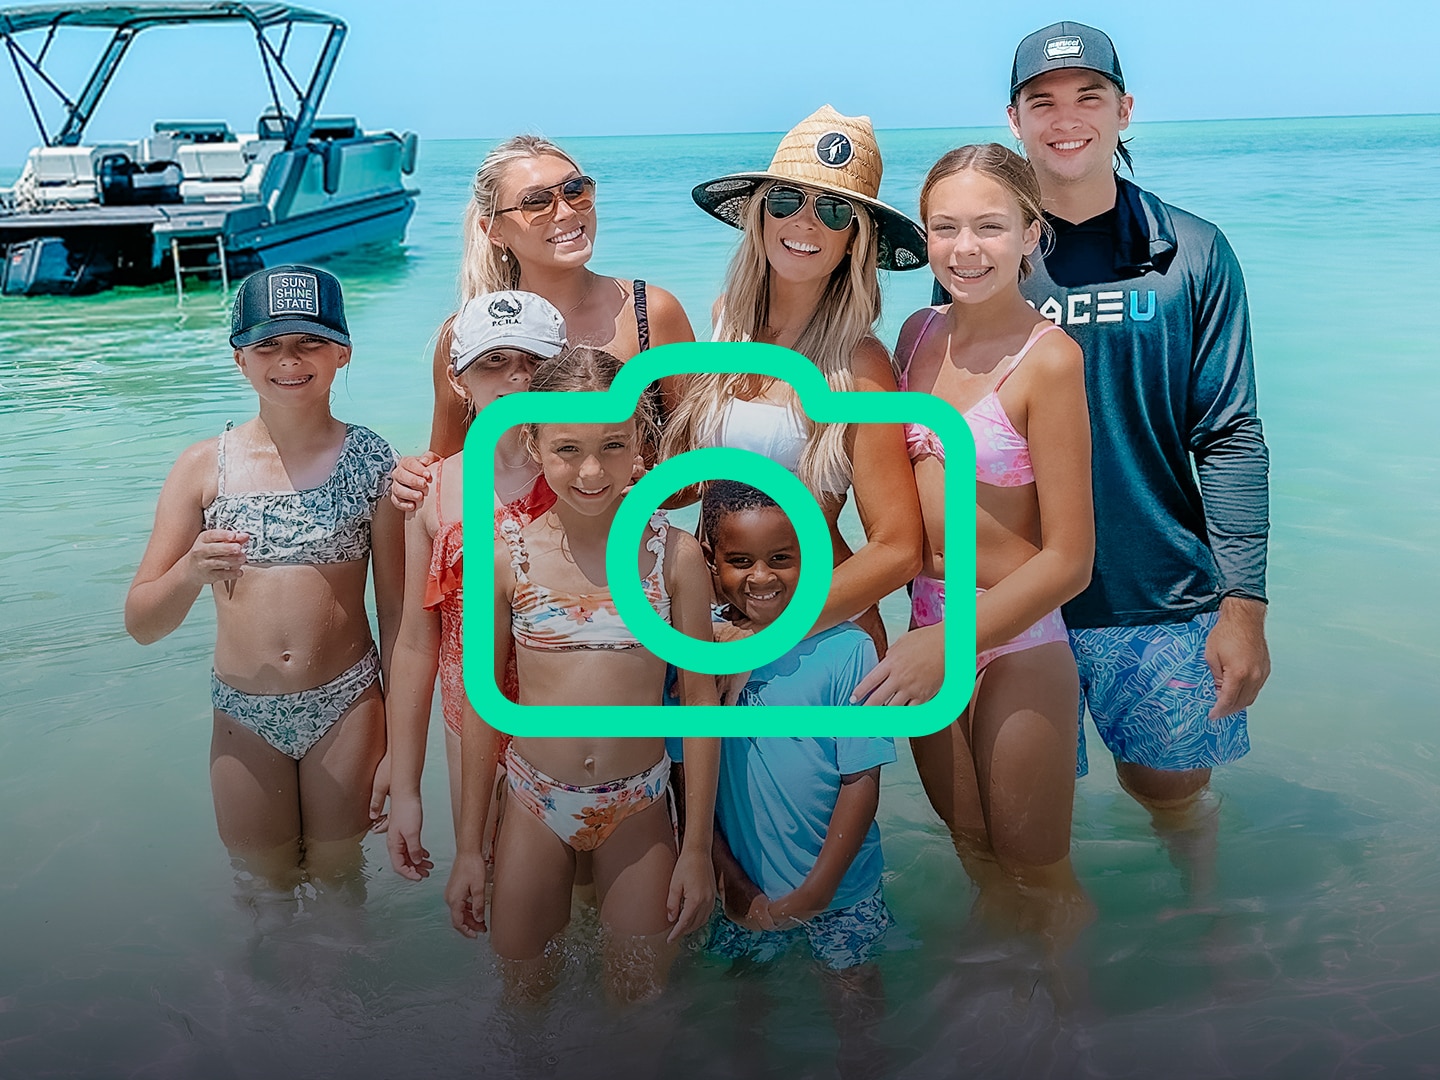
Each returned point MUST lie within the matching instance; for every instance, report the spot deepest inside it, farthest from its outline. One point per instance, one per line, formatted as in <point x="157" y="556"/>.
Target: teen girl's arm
<point x="687" y="580"/>
<point x="912" y="671"/>
<point x="692" y="886"/>
<point x="408" y="696"/>
<point x="387" y="564"/>
<point x="465" y="891"/>
<point x="182" y="556"/>
<point x="887" y="502"/>
<point x="1058" y="430"/>
<point x="451" y="419"/>
<point x="854" y="813"/>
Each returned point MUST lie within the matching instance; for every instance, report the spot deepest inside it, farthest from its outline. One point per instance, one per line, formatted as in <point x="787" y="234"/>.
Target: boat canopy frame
<point x="127" y="20"/>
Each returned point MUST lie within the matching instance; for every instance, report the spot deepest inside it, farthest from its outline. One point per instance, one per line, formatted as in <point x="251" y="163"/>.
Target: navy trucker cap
<point x="1065" y="45"/>
<point x="288" y="299"/>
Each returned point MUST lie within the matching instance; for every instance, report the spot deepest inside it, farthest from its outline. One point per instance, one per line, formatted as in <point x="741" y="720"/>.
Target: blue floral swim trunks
<point x="839" y="939"/>
<point x="1149" y="691"/>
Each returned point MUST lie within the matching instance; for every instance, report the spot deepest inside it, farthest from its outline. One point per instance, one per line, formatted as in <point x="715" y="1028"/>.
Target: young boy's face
<point x="755" y="558"/>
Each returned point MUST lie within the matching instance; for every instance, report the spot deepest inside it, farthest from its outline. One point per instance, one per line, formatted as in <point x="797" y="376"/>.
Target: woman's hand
<point x="410" y="480"/>
<point x="912" y="671"/>
<point x="465" y="894"/>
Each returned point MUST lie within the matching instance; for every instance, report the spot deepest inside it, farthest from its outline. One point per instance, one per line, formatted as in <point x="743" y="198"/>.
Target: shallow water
<point x="127" y="950"/>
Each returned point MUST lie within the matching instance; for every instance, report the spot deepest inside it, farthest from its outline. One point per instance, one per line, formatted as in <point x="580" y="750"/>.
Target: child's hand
<point x="410" y="480"/>
<point x="745" y="904"/>
<point x="794" y="908"/>
<point x="465" y="895"/>
<point x="217" y="555"/>
<point x="408" y="856"/>
<point x="379" y="790"/>
<point x="692" y="894"/>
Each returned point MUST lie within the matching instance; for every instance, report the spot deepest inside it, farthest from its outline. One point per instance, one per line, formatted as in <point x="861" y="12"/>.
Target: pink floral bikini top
<point x="551" y="619"/>
<point x="1002" y="454"/>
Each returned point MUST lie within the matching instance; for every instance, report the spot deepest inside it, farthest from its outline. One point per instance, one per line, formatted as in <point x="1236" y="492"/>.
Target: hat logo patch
<point x="834" y="149"/>
<point x="1062" y="48"/>
<point x="504" y="312"/>
<point x="294" y="294"/>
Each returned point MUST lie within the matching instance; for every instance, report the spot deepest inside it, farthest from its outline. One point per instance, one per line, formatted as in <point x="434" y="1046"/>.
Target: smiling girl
<point x="281" y="516"/>
<point x="596" y="803"/>
<point x="1002" y="776"/>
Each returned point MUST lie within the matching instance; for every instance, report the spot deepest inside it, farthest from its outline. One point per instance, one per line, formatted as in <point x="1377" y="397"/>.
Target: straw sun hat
<point x="832" y="153"/>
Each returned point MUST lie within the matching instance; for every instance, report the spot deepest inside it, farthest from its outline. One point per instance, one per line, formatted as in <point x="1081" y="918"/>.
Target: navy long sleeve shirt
<point x="1155" y="298"/>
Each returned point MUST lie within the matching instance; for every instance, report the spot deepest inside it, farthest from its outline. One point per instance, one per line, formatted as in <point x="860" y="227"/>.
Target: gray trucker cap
<point x="1065" y="45"/>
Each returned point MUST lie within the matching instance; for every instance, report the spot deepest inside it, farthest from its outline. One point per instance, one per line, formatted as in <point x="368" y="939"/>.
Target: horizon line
<point x="949" y="127"/>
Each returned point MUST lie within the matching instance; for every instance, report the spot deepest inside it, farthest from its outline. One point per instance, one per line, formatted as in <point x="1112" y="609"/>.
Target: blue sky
<point x="460" y="69"/>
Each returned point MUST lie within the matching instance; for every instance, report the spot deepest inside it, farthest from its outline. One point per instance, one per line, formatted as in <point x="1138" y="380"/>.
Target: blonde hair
<point x="844" y="317"/>
<point x="583" y="368"/>
<point x="1006" y="168"/>
<point x="481" y="268"/>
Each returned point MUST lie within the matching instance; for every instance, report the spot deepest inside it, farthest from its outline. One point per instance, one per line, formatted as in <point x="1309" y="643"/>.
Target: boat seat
<point x="66" y="174"/>
<point x="212" y="161"/>
<point x="226" y="172"/>
<point x="62" y="164"/>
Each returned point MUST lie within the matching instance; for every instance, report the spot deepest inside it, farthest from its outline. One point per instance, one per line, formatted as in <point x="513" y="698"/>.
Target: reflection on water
<point x="129" y="950"/>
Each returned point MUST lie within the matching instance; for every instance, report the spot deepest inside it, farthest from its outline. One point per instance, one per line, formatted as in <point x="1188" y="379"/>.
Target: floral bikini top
<point x="1002" y="454"/>
<point x="325" y="524"/>
<point x="546" y="618"/>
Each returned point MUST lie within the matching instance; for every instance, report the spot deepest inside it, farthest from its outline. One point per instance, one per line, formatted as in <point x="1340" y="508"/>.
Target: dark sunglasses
<point x="834" y="212"/>
<point x="578" y="191"/>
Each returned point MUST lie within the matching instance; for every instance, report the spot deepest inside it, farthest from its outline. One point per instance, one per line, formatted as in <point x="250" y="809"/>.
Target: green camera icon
<point x="820" y="404"/>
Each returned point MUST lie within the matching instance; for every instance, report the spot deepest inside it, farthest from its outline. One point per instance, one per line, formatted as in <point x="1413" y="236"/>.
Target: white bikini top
<point x="763" y="427"/>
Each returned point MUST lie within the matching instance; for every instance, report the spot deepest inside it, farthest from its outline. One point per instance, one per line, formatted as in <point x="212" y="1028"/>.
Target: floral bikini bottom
<point x="584" y="817"/>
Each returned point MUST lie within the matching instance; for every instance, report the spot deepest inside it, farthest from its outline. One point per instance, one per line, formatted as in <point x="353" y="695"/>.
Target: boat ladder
<point x="203" y="247"/>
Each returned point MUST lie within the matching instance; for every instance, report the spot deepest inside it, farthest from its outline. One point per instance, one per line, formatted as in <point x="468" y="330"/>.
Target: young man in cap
<point x="1169" y="636"/>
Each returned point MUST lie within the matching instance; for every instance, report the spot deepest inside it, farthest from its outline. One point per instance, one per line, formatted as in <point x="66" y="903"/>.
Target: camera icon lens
<point x="710" y="657"/>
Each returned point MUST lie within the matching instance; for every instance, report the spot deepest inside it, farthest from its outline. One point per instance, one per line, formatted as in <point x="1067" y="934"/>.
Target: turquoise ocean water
<point x="123" y="950"/>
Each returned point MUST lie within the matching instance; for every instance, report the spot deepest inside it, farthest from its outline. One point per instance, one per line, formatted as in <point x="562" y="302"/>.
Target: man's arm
<point x="1232" y="464"/>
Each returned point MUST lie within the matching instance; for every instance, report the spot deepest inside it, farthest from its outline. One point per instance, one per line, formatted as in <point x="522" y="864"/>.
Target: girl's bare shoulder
<point x="911" y="331"/>
<point x="196" y="471"/>
<point x="1055" y="354"/>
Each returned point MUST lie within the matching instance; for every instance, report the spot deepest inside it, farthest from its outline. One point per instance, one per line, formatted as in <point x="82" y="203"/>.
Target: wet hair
<point x="582" y="368"/>
<point x="725" y="497"/>
<point x="481" y="268"/>
<point x="1006" y="168"/>
<point x="845" y="316"/>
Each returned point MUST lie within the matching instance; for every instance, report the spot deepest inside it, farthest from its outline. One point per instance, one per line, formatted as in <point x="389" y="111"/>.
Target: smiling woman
<point x="531" y="224"/>
<point x="805" y="277"/>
